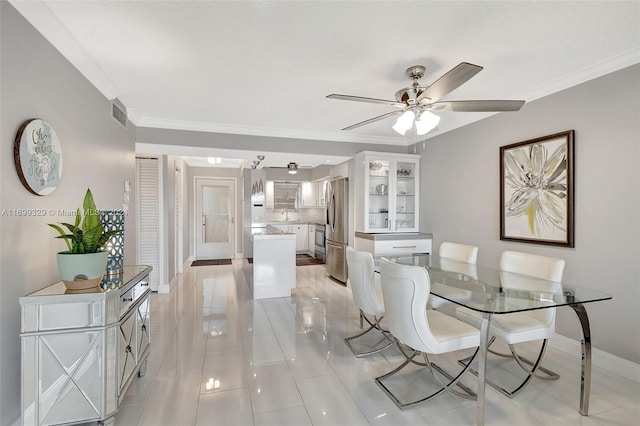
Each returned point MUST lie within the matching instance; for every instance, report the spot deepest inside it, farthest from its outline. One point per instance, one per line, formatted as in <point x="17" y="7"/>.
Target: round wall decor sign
<point x="38" y="157"/>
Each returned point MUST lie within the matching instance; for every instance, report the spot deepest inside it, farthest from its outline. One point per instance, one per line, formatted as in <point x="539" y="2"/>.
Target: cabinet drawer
<point x="402" y="247"/>
<point x="131" y="296"/>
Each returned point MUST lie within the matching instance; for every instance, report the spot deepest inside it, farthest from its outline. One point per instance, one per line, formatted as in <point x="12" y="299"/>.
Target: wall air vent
<point x="119" y="112"/>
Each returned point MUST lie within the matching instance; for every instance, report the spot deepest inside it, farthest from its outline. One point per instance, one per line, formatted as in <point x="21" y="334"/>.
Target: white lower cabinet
<point x="301" y="230"/>
<point x="81" y="350"/>
<point x="393" y="244"/>
<point x="302" y="237"/>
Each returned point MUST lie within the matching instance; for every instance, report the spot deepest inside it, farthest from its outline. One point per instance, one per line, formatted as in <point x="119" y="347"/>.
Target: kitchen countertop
<point x="271" y="232"/>
<point x="396" y="236"/>
<point x="295" y="222"/>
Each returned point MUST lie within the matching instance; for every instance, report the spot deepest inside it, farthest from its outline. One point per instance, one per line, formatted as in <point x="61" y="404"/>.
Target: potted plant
<point x="83" y="265"/>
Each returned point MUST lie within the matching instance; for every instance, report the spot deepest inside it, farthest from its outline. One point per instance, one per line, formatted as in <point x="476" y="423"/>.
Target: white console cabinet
<point x="81" y="350"/>
<point x="394" y="244"/>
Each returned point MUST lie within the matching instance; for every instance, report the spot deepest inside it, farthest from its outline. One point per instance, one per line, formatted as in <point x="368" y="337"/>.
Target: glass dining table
<point x="490" y="291"/>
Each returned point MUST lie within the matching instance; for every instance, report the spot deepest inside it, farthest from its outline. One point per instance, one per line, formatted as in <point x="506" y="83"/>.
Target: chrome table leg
<point x="585" y="376"/>
<point x="482" y="366"/>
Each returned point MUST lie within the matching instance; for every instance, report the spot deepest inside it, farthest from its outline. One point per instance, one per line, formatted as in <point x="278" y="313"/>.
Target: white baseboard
<point x="166" y="288"/>
<point x="599" y="358"/>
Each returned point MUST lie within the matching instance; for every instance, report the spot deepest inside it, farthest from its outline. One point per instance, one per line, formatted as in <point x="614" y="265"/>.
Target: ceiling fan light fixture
<point x="426" y="122"/>
<point x="292" y="168"/>
<point x="404" y="122"/>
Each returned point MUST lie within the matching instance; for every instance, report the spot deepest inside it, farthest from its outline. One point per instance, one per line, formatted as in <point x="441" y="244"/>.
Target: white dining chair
<point x="458" y="258"/>
<point x="523" y="272"/>
<point x="367" y="296"/>
<point x="424" y="331"/>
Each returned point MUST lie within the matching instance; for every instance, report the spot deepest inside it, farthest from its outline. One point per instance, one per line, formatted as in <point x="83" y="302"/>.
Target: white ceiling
<point x="265" y="67"/>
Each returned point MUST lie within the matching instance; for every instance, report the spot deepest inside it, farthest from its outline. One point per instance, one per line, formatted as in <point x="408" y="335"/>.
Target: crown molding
<point x="606" y="66"/>
<point x="47" y="23"/>
<point x="599" y="69"/>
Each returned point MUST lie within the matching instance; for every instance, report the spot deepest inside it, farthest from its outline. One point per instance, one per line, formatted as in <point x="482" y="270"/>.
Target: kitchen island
<point x="274" y="263"/>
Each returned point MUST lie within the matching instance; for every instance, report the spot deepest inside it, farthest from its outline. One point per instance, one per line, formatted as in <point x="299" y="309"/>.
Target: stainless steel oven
<point x="320" y="243"/>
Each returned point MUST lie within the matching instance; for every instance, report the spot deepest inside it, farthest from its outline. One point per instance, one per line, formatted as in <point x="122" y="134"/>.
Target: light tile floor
<point x="220" y="358"/>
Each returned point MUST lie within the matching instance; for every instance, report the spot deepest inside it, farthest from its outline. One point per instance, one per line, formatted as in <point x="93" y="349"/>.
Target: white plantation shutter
<point x="177" y="211"/>
<point x="148" y="220"/>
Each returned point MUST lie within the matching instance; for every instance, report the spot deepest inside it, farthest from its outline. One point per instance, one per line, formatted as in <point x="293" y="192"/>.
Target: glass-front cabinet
<point x="387" y="192"/>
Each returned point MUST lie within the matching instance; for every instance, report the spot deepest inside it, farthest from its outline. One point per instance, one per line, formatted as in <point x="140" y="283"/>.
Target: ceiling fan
<point x="416" y="102"/>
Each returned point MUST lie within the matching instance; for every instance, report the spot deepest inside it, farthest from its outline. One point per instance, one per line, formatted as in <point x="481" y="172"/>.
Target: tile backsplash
<point x="312" y="215"/>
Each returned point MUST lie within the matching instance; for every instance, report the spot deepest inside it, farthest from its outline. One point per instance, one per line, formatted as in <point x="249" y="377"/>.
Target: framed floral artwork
<point x="536" y="190"/>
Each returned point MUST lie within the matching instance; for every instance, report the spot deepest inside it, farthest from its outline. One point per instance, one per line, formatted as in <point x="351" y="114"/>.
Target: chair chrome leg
<point x="469" y="394"/>
<point x="453" y="381"/>
<point x="411" y="358"/>
<point x="531" y="372"/>
<point x="549" y="375"/>
<point x="373" y="325"/>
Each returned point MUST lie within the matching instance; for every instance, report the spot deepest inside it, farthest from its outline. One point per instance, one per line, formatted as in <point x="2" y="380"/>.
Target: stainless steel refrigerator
<point x="337" y="236"/>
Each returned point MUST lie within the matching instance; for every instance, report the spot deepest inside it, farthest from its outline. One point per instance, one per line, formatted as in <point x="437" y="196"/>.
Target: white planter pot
<point x="82" y="271"/>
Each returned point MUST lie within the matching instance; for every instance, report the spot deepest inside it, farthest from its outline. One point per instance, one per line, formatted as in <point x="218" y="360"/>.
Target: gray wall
<point x="36" y="81"/>
<point x="460" y="196"/>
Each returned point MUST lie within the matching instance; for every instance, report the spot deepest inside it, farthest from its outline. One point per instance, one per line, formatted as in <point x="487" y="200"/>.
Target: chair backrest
<point x="363" y="277"/>
<point x="468" y="269"/>
<point x="459" y="252"/>
<point x="406" y="290"/>
<point x="547" y="270"/>
<point x="459" y="258"/>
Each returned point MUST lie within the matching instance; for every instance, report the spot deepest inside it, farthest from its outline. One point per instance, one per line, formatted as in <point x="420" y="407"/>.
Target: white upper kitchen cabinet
<point x="387" y="192"/>
<point x="308" y="194"/>
<point x="313" y="193"/>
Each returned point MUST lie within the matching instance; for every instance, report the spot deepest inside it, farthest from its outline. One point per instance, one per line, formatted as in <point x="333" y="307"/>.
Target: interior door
<point x="215" y="219"/>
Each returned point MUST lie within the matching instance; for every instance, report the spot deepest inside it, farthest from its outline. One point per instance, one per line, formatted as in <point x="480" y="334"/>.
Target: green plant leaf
<point x="63" y="235"/>
<point x="91" y="225"/>
<point x="79" y="248"/>
<point x="106" y="235"/>
<point x="90" y="237"/>
<point x="75" y="231"/>
<point x="78" y="218"/>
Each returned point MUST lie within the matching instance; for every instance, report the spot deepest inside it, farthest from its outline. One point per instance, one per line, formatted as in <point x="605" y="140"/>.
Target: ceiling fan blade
<point x="363" y="99"/>
<point x="450" y="81"/>
<point x="481" y="106"/>
<point x="371" y="120"/>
